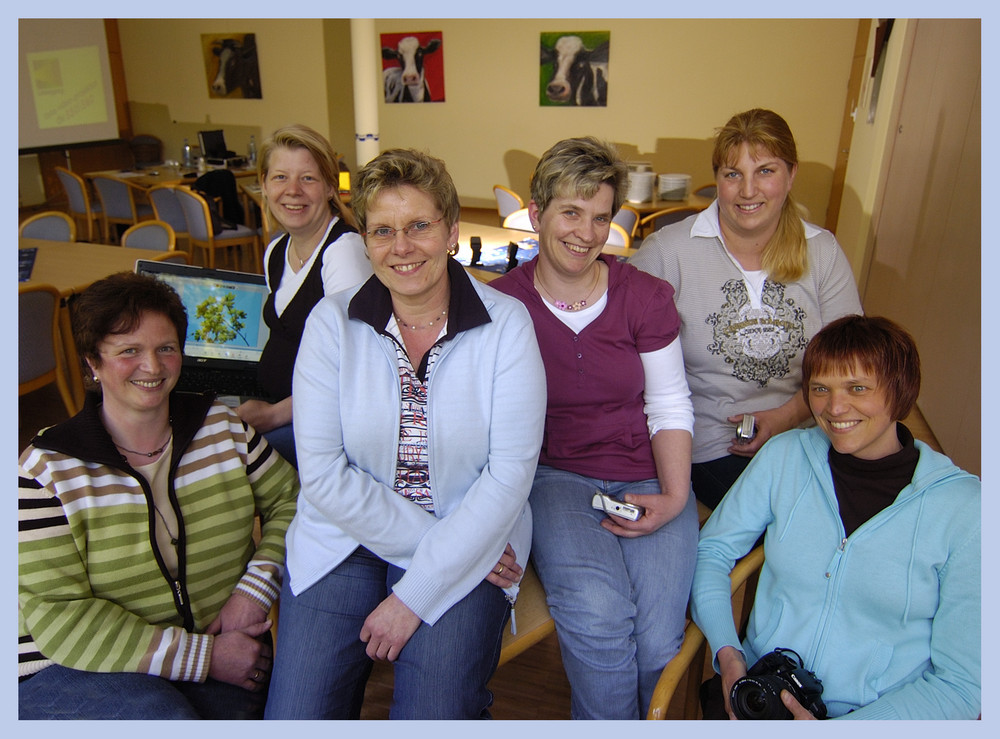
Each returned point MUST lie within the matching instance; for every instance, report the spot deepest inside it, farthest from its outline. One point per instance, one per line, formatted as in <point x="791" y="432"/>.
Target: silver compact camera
<point x="608" y="504"/>
<point x="746" y="429"/>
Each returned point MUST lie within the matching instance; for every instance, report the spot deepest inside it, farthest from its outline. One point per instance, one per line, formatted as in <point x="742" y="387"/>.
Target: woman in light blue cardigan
<point x="871" y="541"/>
<point x="418" y="405"/>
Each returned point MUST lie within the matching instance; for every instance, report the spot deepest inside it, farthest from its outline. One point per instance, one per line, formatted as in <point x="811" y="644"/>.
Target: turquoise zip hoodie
<point x="889" y="617"/>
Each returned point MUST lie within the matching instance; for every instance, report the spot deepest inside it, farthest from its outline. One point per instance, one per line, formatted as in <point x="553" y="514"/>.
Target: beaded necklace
<point x="562" y="304"/>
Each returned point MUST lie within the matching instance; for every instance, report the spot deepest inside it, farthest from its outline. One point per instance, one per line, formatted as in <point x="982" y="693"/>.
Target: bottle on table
<point x="252" y="152"/>
<point x="186" y="155"/>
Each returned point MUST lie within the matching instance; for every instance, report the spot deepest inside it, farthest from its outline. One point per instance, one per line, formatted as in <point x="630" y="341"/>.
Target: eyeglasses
<point x="418" y="230"/>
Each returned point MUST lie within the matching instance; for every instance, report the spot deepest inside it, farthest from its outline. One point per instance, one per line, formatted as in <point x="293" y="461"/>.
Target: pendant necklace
<point x="563" y="305"/>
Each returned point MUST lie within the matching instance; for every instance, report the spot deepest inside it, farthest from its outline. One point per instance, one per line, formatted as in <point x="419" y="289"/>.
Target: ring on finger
<point x="500" y="571"/>
<point x="256" y="675"/>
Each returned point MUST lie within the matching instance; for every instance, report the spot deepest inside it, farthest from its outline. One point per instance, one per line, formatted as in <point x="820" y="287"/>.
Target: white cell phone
<point x="608" y="504"/>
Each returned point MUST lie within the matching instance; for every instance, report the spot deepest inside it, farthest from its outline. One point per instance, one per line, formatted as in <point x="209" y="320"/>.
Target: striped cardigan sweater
<point x="93" y="592"/>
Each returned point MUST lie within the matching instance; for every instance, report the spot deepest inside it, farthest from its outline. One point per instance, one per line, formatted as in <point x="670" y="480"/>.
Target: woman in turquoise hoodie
<point x="871" y="541"/>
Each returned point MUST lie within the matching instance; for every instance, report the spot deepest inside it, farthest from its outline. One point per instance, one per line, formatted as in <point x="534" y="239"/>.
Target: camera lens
<point x="756" y="701"/>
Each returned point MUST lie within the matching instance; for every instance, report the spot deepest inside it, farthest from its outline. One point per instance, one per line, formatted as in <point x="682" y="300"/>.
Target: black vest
<point x="278" y="358"/>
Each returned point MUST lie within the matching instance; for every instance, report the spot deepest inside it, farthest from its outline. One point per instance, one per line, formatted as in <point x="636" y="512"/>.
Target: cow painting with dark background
<point x="233" y="70"/>
<point x="413" y="67"/>
<point x="574" y="68"/>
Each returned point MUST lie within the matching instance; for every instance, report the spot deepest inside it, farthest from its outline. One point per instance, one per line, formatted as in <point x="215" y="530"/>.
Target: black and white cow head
<point x="407" y="83"/>
<point x="238" y="67"/>
<point x="579" y="74"/>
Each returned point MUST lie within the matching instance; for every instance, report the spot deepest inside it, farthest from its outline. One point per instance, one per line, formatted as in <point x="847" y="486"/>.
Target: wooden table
<point x="72" y="267"/>
<point x="163" y="174"/>
<point x="651" y="206"/>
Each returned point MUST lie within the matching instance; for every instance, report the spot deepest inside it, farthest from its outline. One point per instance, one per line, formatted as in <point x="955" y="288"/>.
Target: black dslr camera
<point x="758" y="695"/>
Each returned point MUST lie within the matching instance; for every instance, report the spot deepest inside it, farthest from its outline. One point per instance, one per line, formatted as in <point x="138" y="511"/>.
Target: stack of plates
<point x="674" y="186"/>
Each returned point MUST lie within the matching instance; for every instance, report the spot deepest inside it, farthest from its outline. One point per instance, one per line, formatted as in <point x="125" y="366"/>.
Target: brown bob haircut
<point x="115" y="305"/>
<point x="874" y="345"/>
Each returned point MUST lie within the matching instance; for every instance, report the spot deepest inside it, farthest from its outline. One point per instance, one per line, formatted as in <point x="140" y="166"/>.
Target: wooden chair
<point x="156" y="235"/>
<point x="53" y="225"/>
<point x="203" y="236"/>
<point x="709" y="190"/>
<point x="532" y="615"/>
<point x="689" y="663"/>
<point x="167" y="208"/>
<point x="507" y="201"/>
<point x="618" y="236"/>
<point x="118" y="205"/>
<point x="40" y="358"/>
<point x="664" y="217"/>
<point x="518" y="220"/>
<point x="628" y="218"/>
<point x="81" y="207"/>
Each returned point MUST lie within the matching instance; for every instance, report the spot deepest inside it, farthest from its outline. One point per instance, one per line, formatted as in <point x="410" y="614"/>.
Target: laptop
<point x="226" y="330"/>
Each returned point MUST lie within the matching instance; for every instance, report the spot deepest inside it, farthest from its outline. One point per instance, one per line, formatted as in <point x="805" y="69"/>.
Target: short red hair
<point x="875" y="345"/>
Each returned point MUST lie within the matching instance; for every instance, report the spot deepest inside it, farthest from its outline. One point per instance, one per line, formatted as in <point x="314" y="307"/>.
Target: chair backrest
<point x="507" y="200"/>
<point x="76" y="191"/>
<point x="117" y="200"/>
<point x="618" y="236"/>
<point x="707" y="191"/>
<point x="38" y="342"/>
<point x="518" y="220"/>
<point x="167" y="208"/>
<point x="146" y="150"/>
<point x="628" y="218"/>
<point x="51" y="224"/>
<point x="666" y="216"/>
<point x="690" y="660"/>
<point x="221" y="183"/>
<point x="157" y="235"/>
<point x="199" y="222"/>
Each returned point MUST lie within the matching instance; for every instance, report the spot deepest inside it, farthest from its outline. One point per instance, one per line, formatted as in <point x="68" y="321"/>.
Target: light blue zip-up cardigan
<point x="889" y="617"/>
<point x="486" y="411"/>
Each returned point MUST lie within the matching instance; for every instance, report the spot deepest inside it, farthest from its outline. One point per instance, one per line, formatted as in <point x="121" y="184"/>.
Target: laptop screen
<point x="224" y="309"/>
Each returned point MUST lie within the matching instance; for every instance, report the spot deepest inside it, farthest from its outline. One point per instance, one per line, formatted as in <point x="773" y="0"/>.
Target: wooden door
<point x="925" y="269"/>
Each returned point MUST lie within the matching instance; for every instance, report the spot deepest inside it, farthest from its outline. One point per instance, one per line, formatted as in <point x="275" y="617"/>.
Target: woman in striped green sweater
<point x="141" y="591"/>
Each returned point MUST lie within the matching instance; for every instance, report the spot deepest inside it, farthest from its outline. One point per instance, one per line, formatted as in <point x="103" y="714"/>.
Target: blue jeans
<point x="283" y="441"/>
<point x="619" y="604"/>
<point x="59" y="692"/>
<point x="321" y="668"/>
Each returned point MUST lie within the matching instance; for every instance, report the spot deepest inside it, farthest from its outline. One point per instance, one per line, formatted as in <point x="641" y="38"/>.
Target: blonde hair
<point x="785" y="256"/>
<point x="397" y="167"/>
<point x="579" y="166"/>
<point x="298" y="136"/>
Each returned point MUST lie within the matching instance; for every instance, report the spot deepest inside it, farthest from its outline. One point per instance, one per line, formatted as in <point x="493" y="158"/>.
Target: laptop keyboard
<point x="220" y="382"/>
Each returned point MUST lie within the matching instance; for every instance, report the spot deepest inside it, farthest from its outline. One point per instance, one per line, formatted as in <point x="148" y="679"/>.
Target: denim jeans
<point x="619" y="604"/>
<point x="283" y="441"/>
<point x="712" y="480"/>
<point x="59" y="692"/>
<point x="321" y="668"/>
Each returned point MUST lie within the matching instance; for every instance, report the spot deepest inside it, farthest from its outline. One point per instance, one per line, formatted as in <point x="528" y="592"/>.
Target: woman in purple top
<point x="618" y="422"/>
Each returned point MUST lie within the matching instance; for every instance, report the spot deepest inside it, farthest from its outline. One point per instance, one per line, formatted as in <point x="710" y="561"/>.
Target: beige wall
<point x="168" y="88"/>
<point x="671" y="82"/>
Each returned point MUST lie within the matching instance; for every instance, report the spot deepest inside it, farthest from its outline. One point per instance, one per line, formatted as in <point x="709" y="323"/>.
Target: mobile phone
<point x="608" y="504"/>
<point x="746" y="429"/>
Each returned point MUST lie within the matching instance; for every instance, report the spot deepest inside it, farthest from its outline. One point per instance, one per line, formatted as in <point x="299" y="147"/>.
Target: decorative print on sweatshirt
<point x="759" y="342"/>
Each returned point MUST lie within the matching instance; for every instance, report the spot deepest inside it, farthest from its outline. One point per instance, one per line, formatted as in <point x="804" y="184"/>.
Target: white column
<point x="367" y="85"/>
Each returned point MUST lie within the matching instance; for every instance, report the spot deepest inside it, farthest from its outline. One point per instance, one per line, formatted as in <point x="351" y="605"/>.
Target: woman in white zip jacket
<point x="419" y="404"/>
